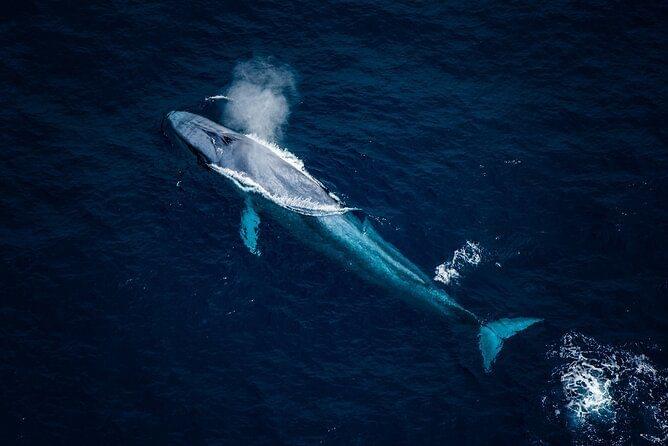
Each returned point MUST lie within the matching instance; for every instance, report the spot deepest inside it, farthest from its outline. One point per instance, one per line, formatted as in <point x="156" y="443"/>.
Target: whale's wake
<point x="605" y="391"/>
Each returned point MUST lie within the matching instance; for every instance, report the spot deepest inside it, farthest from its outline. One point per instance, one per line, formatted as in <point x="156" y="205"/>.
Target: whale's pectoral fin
<point x="250" y="227"/>
<point x="492" y="335"/>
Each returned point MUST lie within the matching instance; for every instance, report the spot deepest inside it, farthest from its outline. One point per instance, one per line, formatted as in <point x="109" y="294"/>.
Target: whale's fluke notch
<point x="250" y="227"/>
<point x="492" y="335"/>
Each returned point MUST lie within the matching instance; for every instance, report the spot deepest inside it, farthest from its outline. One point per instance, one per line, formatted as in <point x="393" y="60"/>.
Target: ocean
<point x="516" y="152"/>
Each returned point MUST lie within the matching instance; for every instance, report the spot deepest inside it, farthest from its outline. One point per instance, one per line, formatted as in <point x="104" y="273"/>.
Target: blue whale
<point x="274" y="180"/>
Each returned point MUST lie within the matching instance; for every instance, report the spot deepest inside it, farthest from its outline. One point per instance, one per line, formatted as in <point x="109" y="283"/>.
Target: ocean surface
<point x="517" y="152"/>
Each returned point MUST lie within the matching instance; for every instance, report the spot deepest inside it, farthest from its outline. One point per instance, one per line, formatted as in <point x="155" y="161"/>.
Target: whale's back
<point x="255" y="165"/>
<point x="280" y="178"/>
<point x="277" y="175"/>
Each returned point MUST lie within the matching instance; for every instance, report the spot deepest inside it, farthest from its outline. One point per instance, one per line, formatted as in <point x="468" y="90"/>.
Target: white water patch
<point x="610" y="395"/>
<point x="469" y="254"/>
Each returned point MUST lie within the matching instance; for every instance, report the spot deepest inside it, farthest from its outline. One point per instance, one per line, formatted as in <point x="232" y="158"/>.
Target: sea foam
<point x="607" y="392"/>
<point x="469" y="254"/>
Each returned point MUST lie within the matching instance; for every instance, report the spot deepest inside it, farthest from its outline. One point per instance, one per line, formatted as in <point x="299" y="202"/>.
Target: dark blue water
<point x="132" y="313"/>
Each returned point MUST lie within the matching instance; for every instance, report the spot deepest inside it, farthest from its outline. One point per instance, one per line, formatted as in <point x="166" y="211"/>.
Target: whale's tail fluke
<point x="492" y="335"/>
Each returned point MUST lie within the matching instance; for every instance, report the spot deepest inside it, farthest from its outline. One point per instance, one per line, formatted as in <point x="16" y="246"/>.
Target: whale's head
<point x="201" y="135"/>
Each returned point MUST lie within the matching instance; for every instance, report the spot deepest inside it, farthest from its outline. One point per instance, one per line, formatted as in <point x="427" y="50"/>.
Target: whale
<point x="273" y="181"/>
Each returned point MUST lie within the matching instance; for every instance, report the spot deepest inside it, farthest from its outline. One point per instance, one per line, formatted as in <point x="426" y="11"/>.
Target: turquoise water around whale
<point x="515" y="152"/>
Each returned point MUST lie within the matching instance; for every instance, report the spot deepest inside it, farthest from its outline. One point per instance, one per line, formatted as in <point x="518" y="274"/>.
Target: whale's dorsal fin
<point x="250" y="227"/>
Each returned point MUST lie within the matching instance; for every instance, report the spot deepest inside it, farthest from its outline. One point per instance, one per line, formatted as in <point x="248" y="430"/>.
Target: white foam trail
<point x="302" y="205"/>
<point x="607" y="391"/>
<point x="469" y="254"/>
